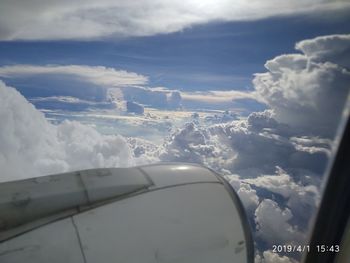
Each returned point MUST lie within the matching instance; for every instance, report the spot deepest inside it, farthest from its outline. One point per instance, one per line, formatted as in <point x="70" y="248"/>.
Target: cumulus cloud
<point x="246" y="193"/>
<point x="283" y="184"/>
<point x="30" y="146"/>
<point x="333" y="48"/>
<point x="248" y="147"/>
<point x="188" y="145"/>
<point x="269" y="256"/>
<point x="300" y="194"/>
<point x="79" y="19"/>
<point x="279" y="208"/>
<point x="255" y="149"/>
<point x="308" y="91"/>
<point x="273" y="226"/>
<point x="99" y="75"/>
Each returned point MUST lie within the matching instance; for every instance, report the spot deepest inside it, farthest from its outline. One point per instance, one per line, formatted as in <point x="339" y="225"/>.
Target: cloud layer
<point x="63" y="19"/>
<point x="99" y="75"/>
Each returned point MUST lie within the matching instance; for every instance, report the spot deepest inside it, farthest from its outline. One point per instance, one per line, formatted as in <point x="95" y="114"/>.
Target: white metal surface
<point x="189" y="223"/>
<point x="53" y="243"/>
<point x="27" y="200"/>
<point x="157" y="213"/>
<point x="173" y="174"/>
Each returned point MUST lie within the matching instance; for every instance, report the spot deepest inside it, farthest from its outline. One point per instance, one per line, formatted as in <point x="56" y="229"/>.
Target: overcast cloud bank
<point x="63" y="19"/>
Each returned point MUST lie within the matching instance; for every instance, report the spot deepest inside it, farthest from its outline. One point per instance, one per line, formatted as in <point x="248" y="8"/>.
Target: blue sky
<point x="213" y="56"/>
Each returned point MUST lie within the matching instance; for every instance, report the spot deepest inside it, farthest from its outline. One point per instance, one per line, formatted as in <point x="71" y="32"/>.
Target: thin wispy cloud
<point x="99" y="75"/>
<point x="63" y="19"/>
<point x="218" y="96"/>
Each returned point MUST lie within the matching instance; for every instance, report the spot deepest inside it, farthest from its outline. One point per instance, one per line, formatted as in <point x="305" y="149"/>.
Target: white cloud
<point x="273" y="224"/>
<point x="248" y="196"/>
<point x="301" y="197"/>
<point x="312" y="144"/>
<point x="188" y="145"/>
<point x="308" y="91"/>
<point x="333" y="48"/>
<point x="217" y="96"/>
<point x="99" y="75"/>
<point x="269" y="256"/>
<point x="30" y="146"/>
<point x="283" y="184"/>
<point x="249" y="147"/>
<point x="64" y="19"/>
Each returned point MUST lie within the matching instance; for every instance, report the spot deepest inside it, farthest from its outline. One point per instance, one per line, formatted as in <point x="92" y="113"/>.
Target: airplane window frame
<point x="329" y="226"/>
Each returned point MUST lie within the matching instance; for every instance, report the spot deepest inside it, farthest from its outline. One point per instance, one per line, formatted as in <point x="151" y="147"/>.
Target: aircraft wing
<point x="156" y="213"/>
